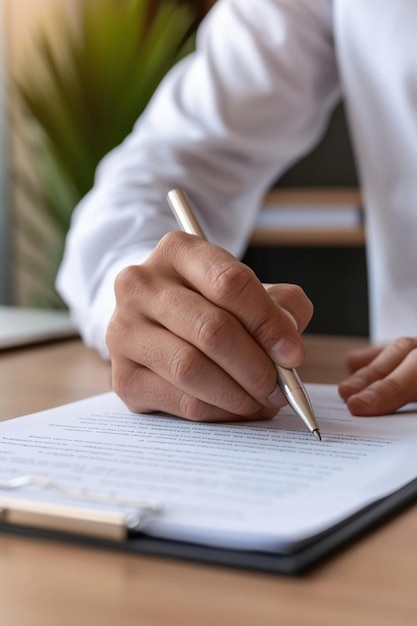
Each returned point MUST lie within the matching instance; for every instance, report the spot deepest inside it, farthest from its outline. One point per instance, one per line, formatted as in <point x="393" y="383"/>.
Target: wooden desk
<point x="372" y="583"/>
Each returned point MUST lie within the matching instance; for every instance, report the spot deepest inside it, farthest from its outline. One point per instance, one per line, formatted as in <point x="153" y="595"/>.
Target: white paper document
<point x="253" y="486"/>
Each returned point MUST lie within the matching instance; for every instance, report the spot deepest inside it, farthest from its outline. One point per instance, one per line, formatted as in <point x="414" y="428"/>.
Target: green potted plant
<point x="80" y="99"/>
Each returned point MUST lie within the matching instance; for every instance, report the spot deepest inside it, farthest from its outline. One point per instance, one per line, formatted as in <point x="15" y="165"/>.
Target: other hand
<point x="195" y="334"/>
<point x="383" y="379"/>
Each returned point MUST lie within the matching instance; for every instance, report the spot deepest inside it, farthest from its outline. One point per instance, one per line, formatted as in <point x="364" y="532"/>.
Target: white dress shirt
<point x="230" y="118"/>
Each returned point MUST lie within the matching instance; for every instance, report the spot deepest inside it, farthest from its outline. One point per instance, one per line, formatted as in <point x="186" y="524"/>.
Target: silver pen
<point x="288" y="379"/>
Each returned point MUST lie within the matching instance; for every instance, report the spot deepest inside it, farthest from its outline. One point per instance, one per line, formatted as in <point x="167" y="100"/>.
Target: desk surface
<point x="371" y="583"/>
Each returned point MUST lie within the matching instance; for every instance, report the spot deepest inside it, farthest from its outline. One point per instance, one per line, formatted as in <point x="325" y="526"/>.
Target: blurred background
<point x="74" y="77"/>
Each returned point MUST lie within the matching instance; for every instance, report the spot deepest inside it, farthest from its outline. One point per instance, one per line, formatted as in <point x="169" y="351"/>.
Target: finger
<point x="231" y="285"/>
<point x="174" y="321"/>
<point x="143" y="391"/>
<point x="293" y="301"/>
<point x="387" y="395"/>
<point x="220" y="339"/>
<point x="159" y="346"/>
<point x="185" y="367"/>
<point x="383" y="364"/>
<point x="362" y="357"/>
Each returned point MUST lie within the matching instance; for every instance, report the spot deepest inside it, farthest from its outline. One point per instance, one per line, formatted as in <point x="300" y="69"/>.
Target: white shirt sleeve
<point x="223" y="125"/>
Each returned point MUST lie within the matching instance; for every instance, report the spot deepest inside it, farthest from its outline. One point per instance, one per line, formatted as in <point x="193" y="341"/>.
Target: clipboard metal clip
<point x="115" y="519"/>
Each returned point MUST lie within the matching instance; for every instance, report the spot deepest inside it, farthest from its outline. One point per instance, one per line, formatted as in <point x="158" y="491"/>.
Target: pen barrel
<point x="294" y="391"/>
<point x="181" y="209"/>
<point x="288" y="379"/>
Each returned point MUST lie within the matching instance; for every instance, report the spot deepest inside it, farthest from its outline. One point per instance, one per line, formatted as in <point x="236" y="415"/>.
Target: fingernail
<point x="285" y="351"/>
<point x="276" y="398"/>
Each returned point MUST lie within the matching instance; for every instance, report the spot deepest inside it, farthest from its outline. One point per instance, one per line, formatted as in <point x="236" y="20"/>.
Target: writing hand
<point x="194" y="333"/>
<point x="383" y="378"/>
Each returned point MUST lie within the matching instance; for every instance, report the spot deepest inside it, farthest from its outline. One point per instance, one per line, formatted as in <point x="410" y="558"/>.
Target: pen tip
<point x="316" y="433"/>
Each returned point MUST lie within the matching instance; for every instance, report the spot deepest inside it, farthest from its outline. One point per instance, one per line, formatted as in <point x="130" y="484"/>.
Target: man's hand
<point x="383" y="379"/>
<point x="195" y="334"/>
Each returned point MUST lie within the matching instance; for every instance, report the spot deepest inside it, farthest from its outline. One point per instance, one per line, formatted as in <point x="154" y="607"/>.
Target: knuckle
<point x="295" y="291"/>
<point x="266" y="332"/>
<point x="296" y="294"/>
<point x="112" y="332"/>
<point x="388" y="387"/>
<point x="214" y="330"/>
<point x="126" y="383"/>
<point x="191" y="408"/>
<point x="405" y="344"/>
<point x="263" y="382"/>
<point x="230" y="280"/>
<point x="184" y="368"/>
<point x="129" y="280"/>
<point x="123" y="332"/>
<point x="373" y="372"/>
<point x="118" y="333"/>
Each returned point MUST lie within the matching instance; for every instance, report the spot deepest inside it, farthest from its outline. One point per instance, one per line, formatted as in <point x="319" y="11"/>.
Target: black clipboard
<point x="305" y="557"/>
